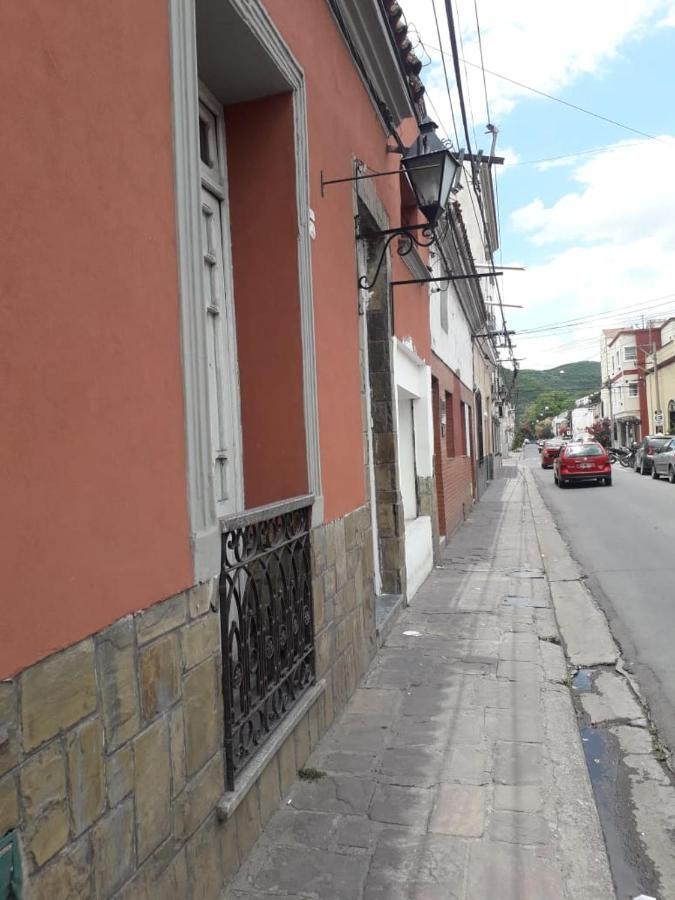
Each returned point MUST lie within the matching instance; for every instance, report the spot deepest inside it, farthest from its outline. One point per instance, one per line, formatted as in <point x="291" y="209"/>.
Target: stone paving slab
<point x="456" y="769"/>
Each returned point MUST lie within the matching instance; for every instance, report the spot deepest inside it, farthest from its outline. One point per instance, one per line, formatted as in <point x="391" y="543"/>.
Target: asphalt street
<point x="623" y="536"/>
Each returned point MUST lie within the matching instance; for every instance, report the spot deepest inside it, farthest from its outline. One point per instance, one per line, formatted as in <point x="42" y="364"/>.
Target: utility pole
<point x="608" y="385"/>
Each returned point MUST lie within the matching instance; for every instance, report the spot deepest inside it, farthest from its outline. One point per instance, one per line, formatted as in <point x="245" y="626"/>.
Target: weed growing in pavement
<point x="551" y="639"/>
<point x="660" y="750"/>
<point x="310" y="774"/>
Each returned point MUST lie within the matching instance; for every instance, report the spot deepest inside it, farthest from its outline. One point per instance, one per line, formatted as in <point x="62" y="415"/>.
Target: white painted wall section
<point x="453" y="346"/>
<point x="414" y="426"/>
<point x="419" y="558"/>
<point x="582" y="419"/>
<point x="406" y="454"/>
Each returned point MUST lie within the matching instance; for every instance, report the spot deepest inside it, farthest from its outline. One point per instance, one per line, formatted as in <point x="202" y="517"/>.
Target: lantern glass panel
<point x="431" y="176"/>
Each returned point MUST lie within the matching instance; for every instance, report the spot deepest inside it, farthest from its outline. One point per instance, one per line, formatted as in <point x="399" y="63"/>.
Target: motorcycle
<point x="624" y="455"/>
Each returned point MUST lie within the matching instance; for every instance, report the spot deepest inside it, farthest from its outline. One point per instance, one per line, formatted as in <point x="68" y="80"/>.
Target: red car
<point x="549" y="452"/>
<point x="582" y="462"/>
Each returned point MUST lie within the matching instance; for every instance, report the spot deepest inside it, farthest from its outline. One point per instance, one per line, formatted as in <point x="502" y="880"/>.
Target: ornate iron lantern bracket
<point x="407" y="240"/>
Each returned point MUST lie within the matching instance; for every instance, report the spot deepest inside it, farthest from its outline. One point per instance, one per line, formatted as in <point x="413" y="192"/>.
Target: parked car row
<point x="655" y="455"/>
<point x="588" y="460"/>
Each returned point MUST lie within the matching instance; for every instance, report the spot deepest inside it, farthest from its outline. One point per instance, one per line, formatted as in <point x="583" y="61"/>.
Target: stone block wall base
<point x="344" y="602"/>
<point x="112" y="762"/>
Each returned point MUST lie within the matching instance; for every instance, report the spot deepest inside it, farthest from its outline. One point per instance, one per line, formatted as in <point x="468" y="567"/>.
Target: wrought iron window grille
<point x="266" y="622"/>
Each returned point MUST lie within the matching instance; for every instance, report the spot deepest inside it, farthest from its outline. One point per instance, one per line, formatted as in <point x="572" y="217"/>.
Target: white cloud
<point x="625" y="192"/>
<point x="564" y="162"/>
<point x="668" y="21"/>
<point x="511" y="156"/>
<point x="610" y="240"/>
<point x="612" y="244"/>
<point x="529" y="42"/>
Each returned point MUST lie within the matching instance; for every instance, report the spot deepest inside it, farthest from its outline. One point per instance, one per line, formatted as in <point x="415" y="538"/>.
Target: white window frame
<point x="228" y="414"/>
<point x="205" y="526"/>
<point x="632" y="388"/>
<point x="632" y="356"/>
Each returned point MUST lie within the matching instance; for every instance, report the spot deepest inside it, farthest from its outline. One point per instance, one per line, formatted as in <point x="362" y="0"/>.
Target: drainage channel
<point x="632" y="871"/>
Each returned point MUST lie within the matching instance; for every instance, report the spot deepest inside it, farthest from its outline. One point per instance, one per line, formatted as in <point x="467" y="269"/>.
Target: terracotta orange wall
<point x="92" y="469"/>
<point x="342" y="124"/>
<point x="411" y="301"/>
<point x="263" y="213"/>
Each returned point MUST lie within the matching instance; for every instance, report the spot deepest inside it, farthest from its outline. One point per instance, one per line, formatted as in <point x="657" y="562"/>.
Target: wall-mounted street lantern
<point x="432" y="170"/>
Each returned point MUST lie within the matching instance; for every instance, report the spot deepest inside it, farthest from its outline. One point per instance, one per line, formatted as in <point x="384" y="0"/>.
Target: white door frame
<point x="205" y="527"/>
<point x="225" y="415"/>
<point x="364" y="298"/>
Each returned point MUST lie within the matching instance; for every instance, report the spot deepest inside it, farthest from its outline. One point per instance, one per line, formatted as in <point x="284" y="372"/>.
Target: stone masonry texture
<point x="453" y="768"/>
<point x="111" y="751"/>
<point x="456" y="768"/>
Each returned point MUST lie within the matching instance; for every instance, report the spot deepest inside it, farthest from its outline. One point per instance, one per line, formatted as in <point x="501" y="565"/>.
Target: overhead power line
<point x="573" y="155"/>
<point x="445" y="73"/>
<point x="636" y="307"/>
<point x="588" y="112"/>
<point x="528" y="87"/>
<point x="482" y="61"/>
<point x="467" y="83"/>
<point x="458" y="77"/>
<point x="460" y="92"/>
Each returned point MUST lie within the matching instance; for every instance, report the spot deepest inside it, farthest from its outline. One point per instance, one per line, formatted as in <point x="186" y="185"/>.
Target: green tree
<point x="544" y="429"/>
<point x="548" y="404"/>
<point x="524" y="431"/>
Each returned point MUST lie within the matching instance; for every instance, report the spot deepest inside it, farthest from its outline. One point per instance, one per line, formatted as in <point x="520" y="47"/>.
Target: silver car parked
<point x="663" y="461"/>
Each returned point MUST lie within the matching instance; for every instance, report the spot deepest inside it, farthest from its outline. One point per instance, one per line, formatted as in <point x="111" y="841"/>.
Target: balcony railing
<point x="266" y="621"/>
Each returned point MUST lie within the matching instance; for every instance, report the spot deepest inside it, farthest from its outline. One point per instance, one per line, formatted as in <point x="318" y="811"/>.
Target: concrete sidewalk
<point x="456" y="770"/>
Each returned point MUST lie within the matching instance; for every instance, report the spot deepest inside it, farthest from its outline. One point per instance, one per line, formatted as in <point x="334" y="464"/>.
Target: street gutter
<point x="632" y="782"/>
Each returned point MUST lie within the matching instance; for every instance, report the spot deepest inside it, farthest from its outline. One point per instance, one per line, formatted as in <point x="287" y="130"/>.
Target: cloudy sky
<point x="586" y="206"/>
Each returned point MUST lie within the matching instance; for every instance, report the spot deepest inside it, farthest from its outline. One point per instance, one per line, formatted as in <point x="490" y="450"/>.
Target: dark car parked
<point x="644" y="453"/>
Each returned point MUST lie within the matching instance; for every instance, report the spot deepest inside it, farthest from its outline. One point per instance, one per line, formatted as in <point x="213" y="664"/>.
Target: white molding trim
<point x="256" y="18"/>
<point x="204" y="525"/>
<point x="369" y="33"/>
<point x="409" y="352"/>
<point x="205" y="533"/>
<point x="222" y="188"/>
<point x="366" y="192"/>
<point x="415" y="264"/>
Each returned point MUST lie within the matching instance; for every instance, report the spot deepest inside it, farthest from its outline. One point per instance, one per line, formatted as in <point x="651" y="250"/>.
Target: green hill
<point x="579" y="379"/>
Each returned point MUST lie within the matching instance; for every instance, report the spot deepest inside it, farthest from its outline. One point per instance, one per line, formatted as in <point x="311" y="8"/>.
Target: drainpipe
<point x="611" y="414"/>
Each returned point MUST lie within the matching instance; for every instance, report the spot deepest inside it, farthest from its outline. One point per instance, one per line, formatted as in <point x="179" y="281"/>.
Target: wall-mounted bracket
<point x="408" y="240"/>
